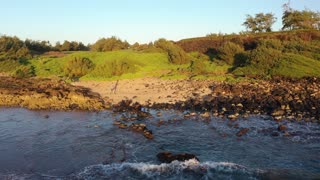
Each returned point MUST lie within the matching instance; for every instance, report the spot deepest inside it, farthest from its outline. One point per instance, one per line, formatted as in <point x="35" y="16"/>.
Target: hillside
<point x="248" y="40"/>
<point x="294" y="54"/>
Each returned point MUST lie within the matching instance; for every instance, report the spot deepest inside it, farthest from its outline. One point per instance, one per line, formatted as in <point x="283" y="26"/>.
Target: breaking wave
<point x="191" y="169"/>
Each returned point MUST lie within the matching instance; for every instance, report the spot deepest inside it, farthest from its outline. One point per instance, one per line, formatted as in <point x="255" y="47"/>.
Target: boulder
<point x="242" y="132"/>
<point x="148" y="134"/>
<point x="282" y="128"/>
<point x="167" y="157"/>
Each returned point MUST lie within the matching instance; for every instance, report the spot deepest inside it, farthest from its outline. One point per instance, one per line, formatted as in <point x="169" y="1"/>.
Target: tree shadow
<point x="24" y="61"/>
<point x="212" y="53"/>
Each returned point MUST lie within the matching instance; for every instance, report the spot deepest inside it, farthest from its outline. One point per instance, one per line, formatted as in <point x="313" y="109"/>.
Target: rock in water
<point x="167" y="157"/>
<point x="282" y="128"/>
<point x="148" y="134"/>
<point x="242" y="132"/>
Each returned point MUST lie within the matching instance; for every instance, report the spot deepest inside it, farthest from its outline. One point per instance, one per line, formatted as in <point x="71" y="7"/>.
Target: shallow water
<point x="75" y="145"/>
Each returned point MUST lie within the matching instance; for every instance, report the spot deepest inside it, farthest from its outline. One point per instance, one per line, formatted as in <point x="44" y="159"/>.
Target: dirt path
<point x="148" y="90"/>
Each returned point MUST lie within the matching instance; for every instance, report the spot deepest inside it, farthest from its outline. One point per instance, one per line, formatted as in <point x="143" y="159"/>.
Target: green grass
<point x="9" y="66"/>
<point x="290" y="65"/>
<point x="156" y="64"/>
<point x="297" y="66"/>
<point x="146" y="65"/>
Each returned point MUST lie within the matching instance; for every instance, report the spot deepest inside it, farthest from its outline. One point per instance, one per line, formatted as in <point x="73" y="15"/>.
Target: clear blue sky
<point x="132" y="20"/>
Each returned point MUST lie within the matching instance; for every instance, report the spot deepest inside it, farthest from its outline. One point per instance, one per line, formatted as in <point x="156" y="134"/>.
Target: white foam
<point x="175" y="169"/>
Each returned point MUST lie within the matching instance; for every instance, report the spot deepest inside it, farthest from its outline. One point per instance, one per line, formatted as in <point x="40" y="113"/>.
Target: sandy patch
<point x="148" y="90"/>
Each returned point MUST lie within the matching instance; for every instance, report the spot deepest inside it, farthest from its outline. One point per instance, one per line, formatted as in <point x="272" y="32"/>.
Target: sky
<point x="140" y="21"/>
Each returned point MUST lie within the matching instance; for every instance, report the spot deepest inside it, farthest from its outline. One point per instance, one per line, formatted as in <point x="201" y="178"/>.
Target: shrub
<point x="176" y="54"/>
<point x="110" y="44"/>
<point x="227" y="52"/>
<point x="198" y="67"/>
<point x="78" y="67"/>
<point x="240" y="59"/>
<point x="298" y="45"/>
<point x="271" y="43"/>
<point x="260" y="62"/>
<point x="114" y="68"/>
<point x="199" y="56"/>
<point x="25" y="72"/>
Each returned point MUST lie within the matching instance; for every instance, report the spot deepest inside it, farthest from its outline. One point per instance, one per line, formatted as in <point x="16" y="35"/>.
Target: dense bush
<point x="199" y="56"/>
<point x="176" y="54"/>
<point x="271" y="43"/>
<point x="70" y="46"/>
<point x="110" y="44"/>
<point x="78" y="67"/>
<point x="13" y="48"/>
<point x="25" y="72"/>
<point x="260" y="62"/>
<point x="227" y="52"/>
<point x="198" y="67"/>
<point x="38" y="46"/>
<point x="114" y="68"/>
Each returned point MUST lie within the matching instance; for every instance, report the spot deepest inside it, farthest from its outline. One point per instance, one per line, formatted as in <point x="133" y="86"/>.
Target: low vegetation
<point x="78" y="67"/>
<point x="258" y="53"/>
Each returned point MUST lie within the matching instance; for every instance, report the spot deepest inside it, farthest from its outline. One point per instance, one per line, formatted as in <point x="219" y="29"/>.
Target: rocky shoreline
<point x="47" y="94"/>
<point x="280" y="98"/>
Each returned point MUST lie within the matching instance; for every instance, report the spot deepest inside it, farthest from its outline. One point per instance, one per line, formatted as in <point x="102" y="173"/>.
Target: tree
<point x="13" y="48"/>
<point x="66" y="46"/>
<point x="176" y="54"/>
<point x="110" y="44"/>
<point x="305" y="19"/>
<point x="57" y="47"/>
<point x="260" y="23"/>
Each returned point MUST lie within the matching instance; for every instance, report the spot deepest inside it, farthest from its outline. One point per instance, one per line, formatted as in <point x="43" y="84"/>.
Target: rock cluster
<point x="280" y="98"/>
<point x="136" y="113"/>
<point x="37" y="93"/>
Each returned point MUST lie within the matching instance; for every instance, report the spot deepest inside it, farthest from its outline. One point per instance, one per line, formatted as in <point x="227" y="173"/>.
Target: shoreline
<point x="280" y="98"/>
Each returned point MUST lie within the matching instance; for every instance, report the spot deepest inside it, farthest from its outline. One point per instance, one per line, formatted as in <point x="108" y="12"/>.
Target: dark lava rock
<point x="282" y="128"/>
<point x="148" y="134"/>
<point x="142" y="114"/>
<point x="275" y="134"/>
<point x="242" y="132"/>
<point x="167" y="157"/>
<point x="73" y="106"/>
<point x="122" y="126"/>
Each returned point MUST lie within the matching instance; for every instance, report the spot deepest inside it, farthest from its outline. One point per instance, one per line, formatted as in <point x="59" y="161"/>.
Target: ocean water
<point x="86" y="145"/>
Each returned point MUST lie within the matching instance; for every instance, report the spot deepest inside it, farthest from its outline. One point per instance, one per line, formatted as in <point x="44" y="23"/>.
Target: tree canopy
<point x="295" y="19"/>
<point x="176" y="54"/>
<point x="110" y="44"/>
<point x="260" y="23"/>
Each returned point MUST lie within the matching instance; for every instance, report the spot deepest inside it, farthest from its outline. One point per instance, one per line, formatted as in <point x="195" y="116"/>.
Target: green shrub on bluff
<point x="109" y="44"/>
<point x="25" y="72"/>
<point x="176" y="54"/>
<point x="271" y="43"/>
<point x="260" y="62"/>
<point x="228" y="51"/>
<point x="114" y="68"/>
<point x="78" y="67"/>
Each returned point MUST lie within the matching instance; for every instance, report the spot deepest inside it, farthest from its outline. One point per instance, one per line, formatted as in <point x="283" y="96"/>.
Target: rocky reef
<point x="40" y="93"/>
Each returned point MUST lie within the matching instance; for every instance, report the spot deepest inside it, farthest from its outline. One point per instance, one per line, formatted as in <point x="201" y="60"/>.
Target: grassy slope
<point x="290" y="65"/>
<point x="298" y="66"/>
<point x="148" y="65"/>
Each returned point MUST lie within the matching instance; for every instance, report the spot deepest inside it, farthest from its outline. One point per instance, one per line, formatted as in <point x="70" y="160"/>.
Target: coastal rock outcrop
<point x="42" y="93"/>
<point x="168" y="157"/>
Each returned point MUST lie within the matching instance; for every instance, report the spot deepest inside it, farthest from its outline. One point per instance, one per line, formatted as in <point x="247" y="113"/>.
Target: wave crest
<point x="191" y="169"/>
